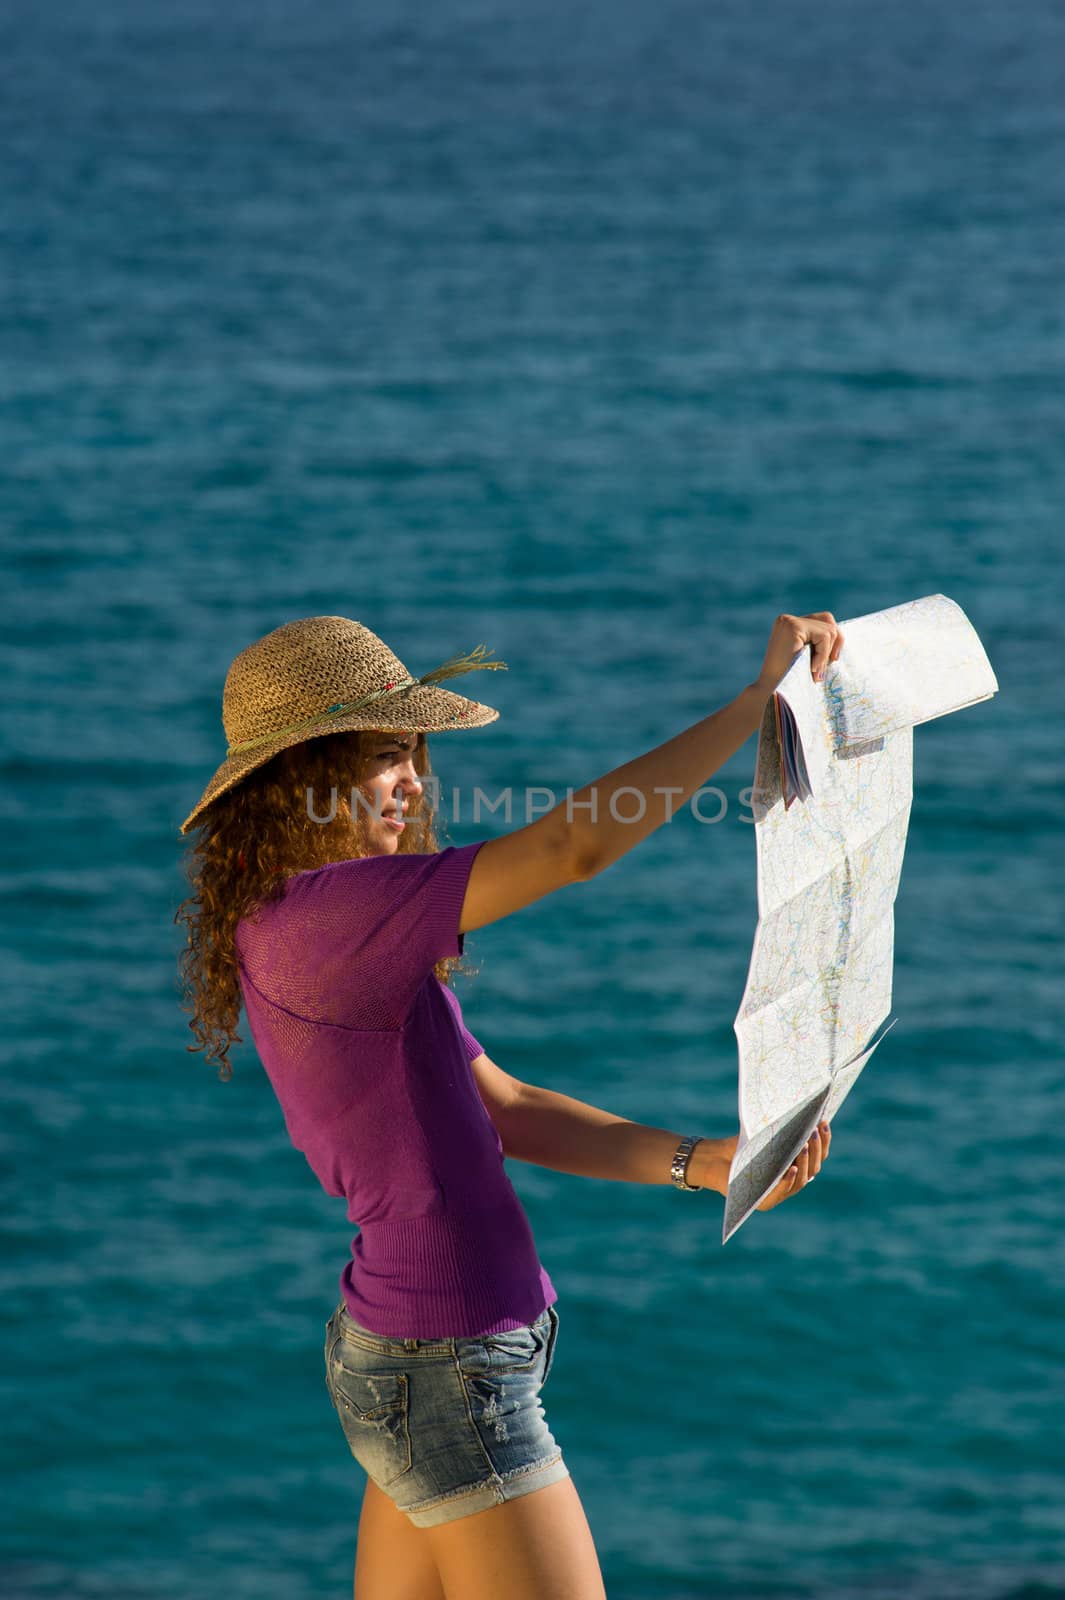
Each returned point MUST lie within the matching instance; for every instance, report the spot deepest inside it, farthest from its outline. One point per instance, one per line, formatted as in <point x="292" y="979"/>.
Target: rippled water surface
<point x="602" y="335"/>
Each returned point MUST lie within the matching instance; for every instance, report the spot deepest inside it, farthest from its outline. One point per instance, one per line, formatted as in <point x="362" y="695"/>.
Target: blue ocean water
<point x="600" y="335"/>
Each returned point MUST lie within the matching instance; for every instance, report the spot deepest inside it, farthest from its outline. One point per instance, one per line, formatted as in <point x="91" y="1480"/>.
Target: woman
<point x="323" y="903"/>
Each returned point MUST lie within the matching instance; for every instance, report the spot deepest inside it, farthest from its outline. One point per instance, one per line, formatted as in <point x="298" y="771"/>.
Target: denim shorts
<point x="445" y="1427"/>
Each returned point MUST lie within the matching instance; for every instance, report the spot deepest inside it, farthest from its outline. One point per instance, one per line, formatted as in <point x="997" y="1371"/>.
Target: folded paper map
<point x="831" y="801"/>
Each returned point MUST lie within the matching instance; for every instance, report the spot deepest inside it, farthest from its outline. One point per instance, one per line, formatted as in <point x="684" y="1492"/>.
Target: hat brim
<point x="424" y="709"/>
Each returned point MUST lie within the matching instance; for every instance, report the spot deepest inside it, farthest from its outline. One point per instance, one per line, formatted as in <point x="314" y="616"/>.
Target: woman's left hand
<point x="807" y="1165"/>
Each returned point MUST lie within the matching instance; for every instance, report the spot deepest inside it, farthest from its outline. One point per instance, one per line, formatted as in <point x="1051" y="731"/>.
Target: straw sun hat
<point x="330" y="675"/>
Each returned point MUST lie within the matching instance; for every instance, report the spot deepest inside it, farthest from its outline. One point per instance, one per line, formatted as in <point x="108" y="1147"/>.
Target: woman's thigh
<point x="537" y="1547"/>
<point x="393" y="1559"/>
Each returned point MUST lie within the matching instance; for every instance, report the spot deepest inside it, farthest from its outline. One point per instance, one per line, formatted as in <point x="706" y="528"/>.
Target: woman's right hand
<point x="804" y="1170"/>
<point x="819" y="629"/>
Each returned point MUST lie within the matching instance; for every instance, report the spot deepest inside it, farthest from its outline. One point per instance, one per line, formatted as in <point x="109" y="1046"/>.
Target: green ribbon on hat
<point x="452" y="668"/>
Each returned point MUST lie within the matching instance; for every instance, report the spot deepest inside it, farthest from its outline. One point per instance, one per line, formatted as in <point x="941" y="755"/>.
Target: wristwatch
<point x="680" y="1163"/>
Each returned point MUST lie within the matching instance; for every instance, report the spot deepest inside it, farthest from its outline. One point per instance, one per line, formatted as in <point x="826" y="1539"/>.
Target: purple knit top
<point x="369" y="1058"/>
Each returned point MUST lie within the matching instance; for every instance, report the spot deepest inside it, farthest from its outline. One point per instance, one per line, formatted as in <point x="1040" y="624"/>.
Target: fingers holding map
<point x="831" y="801"/>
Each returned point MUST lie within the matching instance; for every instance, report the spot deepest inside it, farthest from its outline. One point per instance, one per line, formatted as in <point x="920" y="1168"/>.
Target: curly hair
<point x="254" y="837"/>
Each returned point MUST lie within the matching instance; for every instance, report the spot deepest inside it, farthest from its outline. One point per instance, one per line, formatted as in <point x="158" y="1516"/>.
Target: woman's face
<point x="388" y="784"/>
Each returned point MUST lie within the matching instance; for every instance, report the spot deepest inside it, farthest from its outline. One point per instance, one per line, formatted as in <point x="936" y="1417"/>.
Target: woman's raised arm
<point x="670" y="774"/>
<point x="582" y="835"/>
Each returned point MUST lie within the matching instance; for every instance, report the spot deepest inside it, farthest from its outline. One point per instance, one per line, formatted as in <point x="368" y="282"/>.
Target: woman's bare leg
<point x="393" y="1560"/>
<point x="537" y="1547"/>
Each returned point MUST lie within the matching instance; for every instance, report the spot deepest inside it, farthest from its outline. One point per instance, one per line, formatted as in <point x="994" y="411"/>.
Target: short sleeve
<point x="473" y="1046"/>
<point x="352" y="942"/>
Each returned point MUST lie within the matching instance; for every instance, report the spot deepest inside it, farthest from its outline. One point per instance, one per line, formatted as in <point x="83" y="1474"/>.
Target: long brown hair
<point x="257" y="835"/>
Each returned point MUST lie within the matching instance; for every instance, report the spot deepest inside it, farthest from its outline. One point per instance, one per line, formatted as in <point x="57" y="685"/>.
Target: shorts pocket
<point x="516" y="1350"/>
<point x="374" y="1412"/>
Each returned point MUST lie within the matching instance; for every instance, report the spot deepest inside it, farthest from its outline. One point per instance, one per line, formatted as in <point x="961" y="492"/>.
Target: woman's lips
<point x="394" y="822"/>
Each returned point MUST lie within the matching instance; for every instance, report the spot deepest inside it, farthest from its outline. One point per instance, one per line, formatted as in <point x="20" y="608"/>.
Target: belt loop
<point x="410" y="1344"/>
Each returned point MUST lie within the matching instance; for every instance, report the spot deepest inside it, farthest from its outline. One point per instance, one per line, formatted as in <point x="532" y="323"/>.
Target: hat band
<point x="294" y="727"/>
<point x="450" y="669"/>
